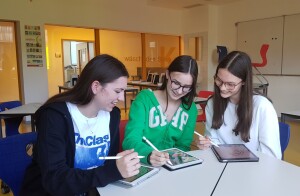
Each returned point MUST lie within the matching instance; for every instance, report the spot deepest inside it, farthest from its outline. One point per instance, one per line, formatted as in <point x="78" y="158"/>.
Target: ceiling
<point x="186" y="4"/>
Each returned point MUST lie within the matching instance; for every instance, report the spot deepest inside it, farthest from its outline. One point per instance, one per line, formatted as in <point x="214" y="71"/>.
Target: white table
<point x="187" y="181"/>
<point x="23" y="110"/>
<point x="269" y="176"/>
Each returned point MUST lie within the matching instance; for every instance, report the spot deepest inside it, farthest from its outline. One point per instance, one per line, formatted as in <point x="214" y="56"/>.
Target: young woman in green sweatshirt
<point x="166" y="117"/>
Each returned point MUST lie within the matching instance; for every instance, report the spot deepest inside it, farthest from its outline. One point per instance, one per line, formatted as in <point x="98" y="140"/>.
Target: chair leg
<point x="4" y="188"/>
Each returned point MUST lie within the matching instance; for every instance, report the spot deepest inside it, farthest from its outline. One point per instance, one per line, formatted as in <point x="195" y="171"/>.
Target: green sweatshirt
<point x="146" y="118"/>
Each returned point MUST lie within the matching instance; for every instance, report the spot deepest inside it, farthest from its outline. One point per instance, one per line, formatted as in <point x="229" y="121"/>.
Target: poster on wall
<point x="34" y="49"/>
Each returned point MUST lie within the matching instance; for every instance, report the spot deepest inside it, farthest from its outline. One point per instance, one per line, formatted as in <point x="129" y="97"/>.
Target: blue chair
<point x="285" y="132"/>
<point x="15" y="159"/>
<point x="11" y="124"/>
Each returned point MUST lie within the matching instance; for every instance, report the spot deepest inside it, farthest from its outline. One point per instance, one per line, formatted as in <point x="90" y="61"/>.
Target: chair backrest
<point x="222" y="51"/>
<point x="11" y="124"/>
<point x="285" y="132"/>
<point x="122" y="133"/>
<point x="205" y="94"/>
<point x="14" y="159"/>
<point x="263" y="53"/>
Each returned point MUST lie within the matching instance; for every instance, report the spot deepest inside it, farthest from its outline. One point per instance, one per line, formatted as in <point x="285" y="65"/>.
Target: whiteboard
<point x="253" y="34"/>
<point x="291" y="46"/>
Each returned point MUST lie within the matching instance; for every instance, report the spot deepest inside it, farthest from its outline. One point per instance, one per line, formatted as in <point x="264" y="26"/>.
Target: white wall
<point x="283" y="90"/>
<point x="195" y="24"/>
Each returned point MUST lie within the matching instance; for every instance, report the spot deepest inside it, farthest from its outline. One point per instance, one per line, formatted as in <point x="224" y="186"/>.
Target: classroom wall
<point x="195" y="24"/>
<point x="55" y="35"/>
<point x="283" y="90"/>
<point x="129" y="15"/>
<point x="217" y="23"/>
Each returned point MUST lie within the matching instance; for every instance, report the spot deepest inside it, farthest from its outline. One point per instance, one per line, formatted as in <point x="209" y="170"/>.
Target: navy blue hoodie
<point x="52" y="169"/>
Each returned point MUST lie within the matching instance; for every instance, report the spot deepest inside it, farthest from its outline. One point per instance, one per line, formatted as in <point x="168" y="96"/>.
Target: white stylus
<point x="116" y="157"/>
<point x="150" y="144"/>
<point x="213" y="143"/>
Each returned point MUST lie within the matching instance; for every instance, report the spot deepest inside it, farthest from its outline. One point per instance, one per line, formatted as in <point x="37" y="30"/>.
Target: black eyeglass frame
<point x="179" y="86"/>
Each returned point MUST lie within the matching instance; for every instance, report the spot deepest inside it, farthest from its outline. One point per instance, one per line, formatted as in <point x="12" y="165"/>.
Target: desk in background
<point x="60" y="88"/>
<point x="144" y="84"/>
<point x="200" y="100"/>
<point x="261" y="87"/>
<point x="292" y="114"/>
<point x="269" y="176"/>
<point x="23" y="110"/>
<point x="128" y="89"/>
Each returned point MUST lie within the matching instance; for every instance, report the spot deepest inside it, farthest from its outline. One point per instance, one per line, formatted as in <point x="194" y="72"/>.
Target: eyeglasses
<point x="228" y="85"/>
<point x="175" y="85"/>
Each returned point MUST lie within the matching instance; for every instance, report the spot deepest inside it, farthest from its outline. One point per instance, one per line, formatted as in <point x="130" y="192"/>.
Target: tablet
<point x="234" y="153"/>
<point x="180" y="159"/>
<point x="145" y="173"/>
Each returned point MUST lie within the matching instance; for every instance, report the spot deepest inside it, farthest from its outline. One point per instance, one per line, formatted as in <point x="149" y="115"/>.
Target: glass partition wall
<point x="9" y="76"/>
<point x="140" y="52"/>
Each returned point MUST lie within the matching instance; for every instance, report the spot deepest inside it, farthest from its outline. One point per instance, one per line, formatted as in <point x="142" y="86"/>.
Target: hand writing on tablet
<point x="203" y="143"/>
<point x="129" y="164"/>
<point x="158" y="158"/>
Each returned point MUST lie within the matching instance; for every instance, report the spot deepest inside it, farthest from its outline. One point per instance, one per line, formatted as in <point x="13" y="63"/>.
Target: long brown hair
<point x="239" y="64"/>
<point x="184" y="64"/>
<point x="102" y="68"/>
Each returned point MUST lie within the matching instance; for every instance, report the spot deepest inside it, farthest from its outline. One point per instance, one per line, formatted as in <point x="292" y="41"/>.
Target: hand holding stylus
<point x="157" y="158"/>
<point x="204" y="142"/>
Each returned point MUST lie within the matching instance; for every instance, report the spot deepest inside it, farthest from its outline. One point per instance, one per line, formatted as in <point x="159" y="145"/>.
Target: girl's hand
<point x="203" y="143"/>
<point x="129" y="164"/>
<point x="158" y="158"/>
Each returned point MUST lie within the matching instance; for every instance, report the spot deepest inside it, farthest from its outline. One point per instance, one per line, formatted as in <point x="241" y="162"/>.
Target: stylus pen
<point x="213" y="143"/>
<point x="150" y="144"/>
<point x="116" y="157"/>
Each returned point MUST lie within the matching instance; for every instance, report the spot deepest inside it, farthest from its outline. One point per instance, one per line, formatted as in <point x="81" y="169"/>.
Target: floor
<point x="292" y="153"/>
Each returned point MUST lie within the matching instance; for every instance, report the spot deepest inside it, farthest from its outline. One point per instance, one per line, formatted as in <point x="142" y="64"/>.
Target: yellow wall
<point x="161" y="50"/>
<point x="125" y="46"/>
<point x="55" y="35"/>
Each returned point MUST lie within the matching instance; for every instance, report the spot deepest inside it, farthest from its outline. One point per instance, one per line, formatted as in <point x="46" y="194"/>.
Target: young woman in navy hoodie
<point x="77" y="127"/>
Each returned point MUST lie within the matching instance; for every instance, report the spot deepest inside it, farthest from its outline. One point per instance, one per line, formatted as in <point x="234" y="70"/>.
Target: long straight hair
<point x="239" y="64"/>
<point x="184" y="64"/>
<point x="102" y="68"/>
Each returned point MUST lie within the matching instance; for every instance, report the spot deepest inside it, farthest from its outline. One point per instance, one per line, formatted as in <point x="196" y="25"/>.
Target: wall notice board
<point x="283" y="36"/>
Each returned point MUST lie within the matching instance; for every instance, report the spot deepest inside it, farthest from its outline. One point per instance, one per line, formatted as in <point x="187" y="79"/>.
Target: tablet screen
<point x="178" y="157"/>
<point x="143" y="171"/>
<point x="234" y="152"/>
